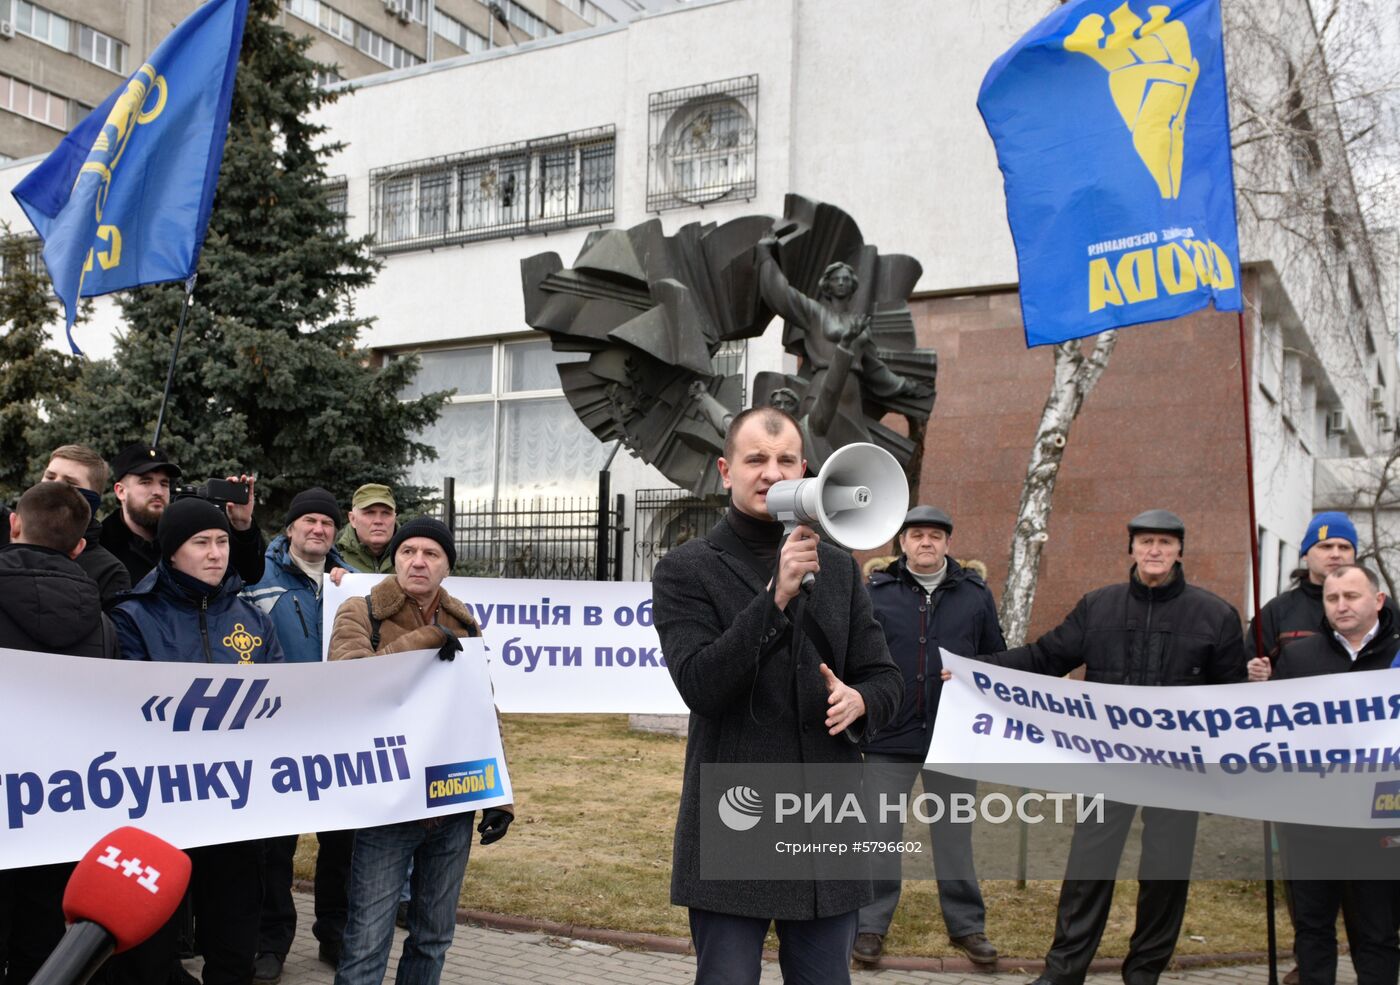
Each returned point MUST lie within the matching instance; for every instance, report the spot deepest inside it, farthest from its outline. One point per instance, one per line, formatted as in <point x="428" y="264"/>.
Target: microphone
<point x="121" y="892"/>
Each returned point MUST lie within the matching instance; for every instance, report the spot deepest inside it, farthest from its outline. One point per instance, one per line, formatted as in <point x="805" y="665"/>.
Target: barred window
<point x="702" y="144"/>
<point x="532" y="186"/>
<point x="337" y="194"/>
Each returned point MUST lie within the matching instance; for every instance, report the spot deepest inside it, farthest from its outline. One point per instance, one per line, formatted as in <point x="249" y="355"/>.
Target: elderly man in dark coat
<point x="726" y="620"/>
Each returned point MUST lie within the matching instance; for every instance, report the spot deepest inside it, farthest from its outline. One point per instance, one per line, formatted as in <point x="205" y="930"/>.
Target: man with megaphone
<point x="774" y="673"/>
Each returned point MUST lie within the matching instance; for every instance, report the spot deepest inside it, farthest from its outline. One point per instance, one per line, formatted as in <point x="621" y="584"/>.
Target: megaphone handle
<point x="808" y="580"/>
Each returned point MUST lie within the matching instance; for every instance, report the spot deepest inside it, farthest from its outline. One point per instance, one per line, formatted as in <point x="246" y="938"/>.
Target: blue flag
<point x="125" y="198"/>
<point x="1113" y="135"/>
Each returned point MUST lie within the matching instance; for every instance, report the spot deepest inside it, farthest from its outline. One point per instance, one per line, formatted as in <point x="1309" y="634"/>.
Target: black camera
<point x="220" y="492"/>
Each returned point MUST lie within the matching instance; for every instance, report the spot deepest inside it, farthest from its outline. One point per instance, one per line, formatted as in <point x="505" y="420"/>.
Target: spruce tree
<point x="35" y="379"/>
<point x="270" y="378"/>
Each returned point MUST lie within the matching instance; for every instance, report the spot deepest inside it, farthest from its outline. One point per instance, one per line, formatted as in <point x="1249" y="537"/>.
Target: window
<point x="454" y="31"/>
<point x="507" y="432"/>
<point x="703" y="144"/>
<point x="520" y="17"/>
<point x="381" y="49"/>
<point x="338" y="201"/>
<point x="327" y="77"/>
<point x="100" y="49"/>
<point x="33" y="102"/>
<point x="41" y="25"/>
<point x="33" y="260"/>
<point x="588" y="11"/>
<point x="326" y="17"/>
<point x="417" y="9"/>
<point x="551" y="183"/>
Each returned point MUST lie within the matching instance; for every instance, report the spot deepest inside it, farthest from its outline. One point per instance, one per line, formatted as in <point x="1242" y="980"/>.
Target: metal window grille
<point x="702" y="144"/>
<point x="337" y="195"/>
<point x="508" y="190"/>
<point x="665" y="519"/>
<point x="542" y="538"/>
<point x="33" y="259"/>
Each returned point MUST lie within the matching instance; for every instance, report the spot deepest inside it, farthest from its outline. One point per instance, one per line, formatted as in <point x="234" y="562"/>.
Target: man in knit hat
<point x="1329" y="543"/>
<point x="298" y="563"/>
<point x="188" y="608"/>
<point x="409" y="611"/>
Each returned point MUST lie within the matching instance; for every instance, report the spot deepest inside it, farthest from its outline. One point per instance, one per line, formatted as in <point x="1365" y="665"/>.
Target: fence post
<point x="449" y="505"/>
<point x="618" y="531"/>
<point x="600" y="553"/>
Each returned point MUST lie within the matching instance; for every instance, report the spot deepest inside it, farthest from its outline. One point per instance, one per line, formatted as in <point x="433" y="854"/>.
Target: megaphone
<point x="858" y="500"/>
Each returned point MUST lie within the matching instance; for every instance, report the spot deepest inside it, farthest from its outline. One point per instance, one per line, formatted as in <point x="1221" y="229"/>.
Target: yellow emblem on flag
<point x="1151" y="76"/>
<point x="242" y="642"/>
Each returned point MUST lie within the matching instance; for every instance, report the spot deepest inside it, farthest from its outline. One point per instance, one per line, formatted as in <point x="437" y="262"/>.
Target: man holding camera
<point x="144" y="485"/>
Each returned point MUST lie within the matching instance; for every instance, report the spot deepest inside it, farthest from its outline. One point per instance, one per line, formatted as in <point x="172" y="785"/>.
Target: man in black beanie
<point x="409" y="610"/>
<point x="298" y="562"/>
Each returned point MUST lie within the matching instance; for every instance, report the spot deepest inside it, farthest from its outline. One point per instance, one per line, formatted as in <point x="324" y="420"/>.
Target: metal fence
<point x="539" y="538"/>
<point x="666" y="519"/>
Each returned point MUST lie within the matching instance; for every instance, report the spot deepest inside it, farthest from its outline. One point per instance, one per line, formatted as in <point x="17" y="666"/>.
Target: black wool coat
<point x="961" y="616"/>
<point x="715" y="622"/>
<point x="1128" y="633"/>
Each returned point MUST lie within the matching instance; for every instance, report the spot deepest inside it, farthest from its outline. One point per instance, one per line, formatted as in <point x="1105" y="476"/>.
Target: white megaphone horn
<point x="858" y="500"/>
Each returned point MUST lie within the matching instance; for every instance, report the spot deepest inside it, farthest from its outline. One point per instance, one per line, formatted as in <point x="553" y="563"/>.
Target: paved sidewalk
<point x="498" y="957"/>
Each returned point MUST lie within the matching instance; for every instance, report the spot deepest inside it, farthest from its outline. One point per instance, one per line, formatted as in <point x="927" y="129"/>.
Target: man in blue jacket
<point x="923" y="601"/>
<point x="188" y="609"/>
<point x="299" y="561"/>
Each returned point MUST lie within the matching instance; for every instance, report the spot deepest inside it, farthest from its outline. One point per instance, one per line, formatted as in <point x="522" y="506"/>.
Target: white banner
<point x="200" y="753"/>
<point x="1317" y="750"/>
<point x="557" y="646"/>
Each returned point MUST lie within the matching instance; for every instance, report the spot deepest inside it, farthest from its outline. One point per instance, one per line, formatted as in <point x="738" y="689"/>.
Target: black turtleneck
<point x="759" y="536"/>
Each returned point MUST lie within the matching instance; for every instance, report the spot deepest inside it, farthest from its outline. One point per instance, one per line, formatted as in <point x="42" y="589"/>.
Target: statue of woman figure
<point x="836" y="340"/>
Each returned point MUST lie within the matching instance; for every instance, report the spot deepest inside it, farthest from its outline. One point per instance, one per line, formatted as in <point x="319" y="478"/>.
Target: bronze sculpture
<point x="653" y="311"/>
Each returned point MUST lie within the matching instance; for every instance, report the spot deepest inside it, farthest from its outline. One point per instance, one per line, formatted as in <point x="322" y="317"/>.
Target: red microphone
<point x="122" y="891"/>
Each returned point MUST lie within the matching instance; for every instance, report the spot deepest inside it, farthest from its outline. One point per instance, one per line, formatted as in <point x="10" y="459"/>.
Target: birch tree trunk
<point x="1077" y="368"/>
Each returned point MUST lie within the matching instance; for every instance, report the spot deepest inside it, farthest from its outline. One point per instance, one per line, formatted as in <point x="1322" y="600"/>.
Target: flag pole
<point x="174" y="355"/>
<point x="1271" y="930"/>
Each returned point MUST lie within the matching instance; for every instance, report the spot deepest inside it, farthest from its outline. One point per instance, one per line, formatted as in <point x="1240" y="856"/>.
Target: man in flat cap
<point x="1154" y="629"/>
<point x="923" y="601"/>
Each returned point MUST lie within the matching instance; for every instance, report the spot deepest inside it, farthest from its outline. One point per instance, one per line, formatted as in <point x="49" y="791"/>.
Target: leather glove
<point x="494" y="823"/>
<point x="451" y="645"/>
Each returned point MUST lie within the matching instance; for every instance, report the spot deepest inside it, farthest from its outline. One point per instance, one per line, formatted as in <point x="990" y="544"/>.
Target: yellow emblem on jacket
<point x="242" y="642"/>
<point x="1151" y="76"/>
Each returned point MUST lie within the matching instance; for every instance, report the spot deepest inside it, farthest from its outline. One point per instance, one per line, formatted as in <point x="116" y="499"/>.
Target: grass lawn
<point x="591" y="845"/>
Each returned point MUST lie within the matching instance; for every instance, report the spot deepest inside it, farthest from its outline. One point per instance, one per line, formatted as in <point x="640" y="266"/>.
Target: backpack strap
<point x="373" y="625"/>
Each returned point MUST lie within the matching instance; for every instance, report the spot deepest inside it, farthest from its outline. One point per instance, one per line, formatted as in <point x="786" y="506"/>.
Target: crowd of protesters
<point x="167" y="576"/>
